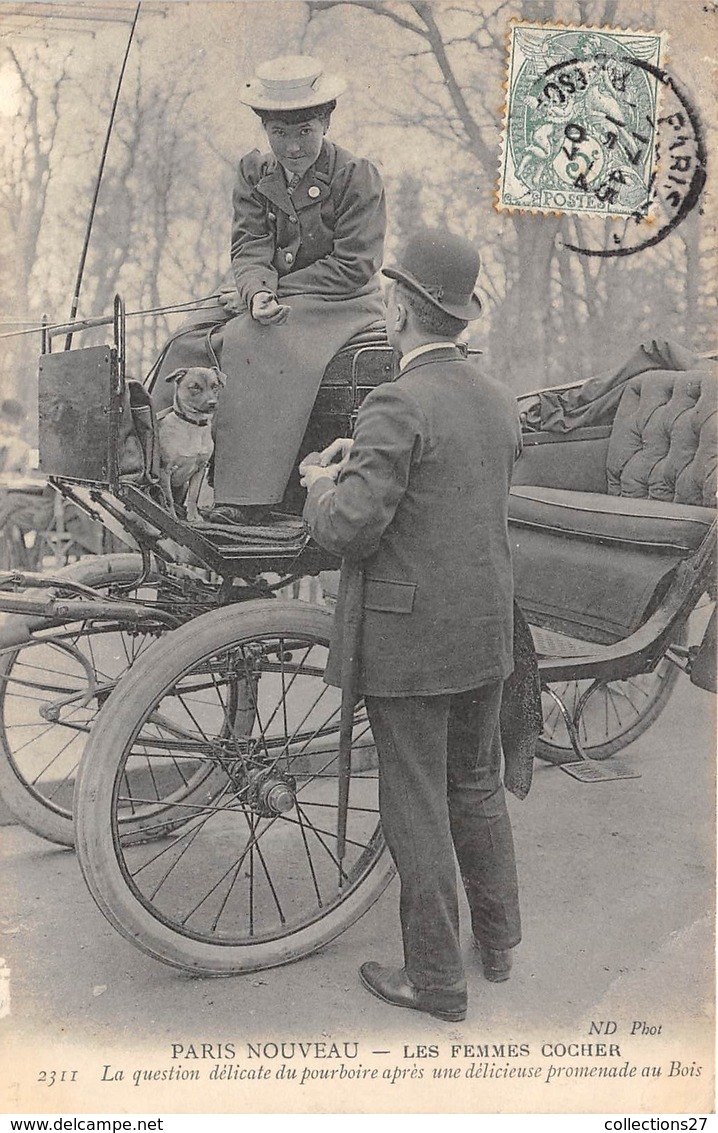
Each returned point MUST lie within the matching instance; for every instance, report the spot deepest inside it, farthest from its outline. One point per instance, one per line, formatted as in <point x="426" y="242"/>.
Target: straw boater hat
<point x="444" y="269"/>
<point x="292" y="82"/>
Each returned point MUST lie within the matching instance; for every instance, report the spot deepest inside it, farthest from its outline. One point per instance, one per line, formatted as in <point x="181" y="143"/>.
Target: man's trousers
<point x="440" y="791"/>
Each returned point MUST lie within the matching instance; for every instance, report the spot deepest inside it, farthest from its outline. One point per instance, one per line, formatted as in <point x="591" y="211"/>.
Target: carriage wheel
<point x="50" y="692"/>
<point x="253" y="878"/>
<point x="608" y="715"/>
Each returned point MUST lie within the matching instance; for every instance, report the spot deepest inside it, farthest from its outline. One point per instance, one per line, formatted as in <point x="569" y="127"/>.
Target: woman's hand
<point x="230" y="300"/>
<point x="265" y="309"/>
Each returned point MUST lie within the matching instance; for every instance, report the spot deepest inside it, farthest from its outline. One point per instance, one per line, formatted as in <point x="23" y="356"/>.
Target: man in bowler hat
<point x="420" y="499"/>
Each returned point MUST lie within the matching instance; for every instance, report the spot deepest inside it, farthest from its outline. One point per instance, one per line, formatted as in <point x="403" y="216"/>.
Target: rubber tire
<point x="24" y="804"/>
<point x="553" y="753"/>
<point x="116" y="726"/>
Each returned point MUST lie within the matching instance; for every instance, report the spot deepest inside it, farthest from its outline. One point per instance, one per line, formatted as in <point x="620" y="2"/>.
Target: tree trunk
<point x="519" y="338"/>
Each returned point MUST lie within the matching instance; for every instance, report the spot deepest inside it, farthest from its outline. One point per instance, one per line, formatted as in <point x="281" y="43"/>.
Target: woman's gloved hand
<point x="267" y="310"/>
<point x="230" y="300"/>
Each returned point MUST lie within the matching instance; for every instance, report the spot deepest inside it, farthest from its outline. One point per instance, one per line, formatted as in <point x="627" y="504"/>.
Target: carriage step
<point x="593" y="771"/>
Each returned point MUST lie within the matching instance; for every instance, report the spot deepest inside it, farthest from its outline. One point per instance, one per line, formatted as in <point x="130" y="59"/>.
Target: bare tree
<point x="556" y="312"/>
<point x="162" y="210"/>
<point x="29" y="156"/>
<point x="161" y="233"/>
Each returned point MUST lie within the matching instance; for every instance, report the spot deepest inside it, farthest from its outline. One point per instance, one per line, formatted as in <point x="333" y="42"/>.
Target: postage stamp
<point x="581" y="119"/>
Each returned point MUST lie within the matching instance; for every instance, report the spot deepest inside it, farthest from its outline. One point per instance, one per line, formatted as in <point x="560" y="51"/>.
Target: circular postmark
<point x="674" y="180"/>
<point x="597" y="128"/>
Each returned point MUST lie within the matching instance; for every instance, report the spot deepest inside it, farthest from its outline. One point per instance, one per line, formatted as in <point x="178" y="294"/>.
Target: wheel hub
<point x="271" y="793"/>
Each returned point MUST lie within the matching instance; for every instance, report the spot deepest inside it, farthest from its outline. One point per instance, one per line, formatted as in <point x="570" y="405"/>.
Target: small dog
<point x="185" y="430"/>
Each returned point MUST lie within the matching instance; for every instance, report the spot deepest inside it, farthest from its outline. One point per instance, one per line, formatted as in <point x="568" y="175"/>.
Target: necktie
<point x="293" y="182"/>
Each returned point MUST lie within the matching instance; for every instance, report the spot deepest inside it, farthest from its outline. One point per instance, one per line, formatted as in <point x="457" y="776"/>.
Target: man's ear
<point x="401" y="316"/>
<point x="176" y="375"/>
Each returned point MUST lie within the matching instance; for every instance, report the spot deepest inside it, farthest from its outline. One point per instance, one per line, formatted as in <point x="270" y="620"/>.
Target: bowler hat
<point x="443" y="268"/>
<point x="291" y="82"/>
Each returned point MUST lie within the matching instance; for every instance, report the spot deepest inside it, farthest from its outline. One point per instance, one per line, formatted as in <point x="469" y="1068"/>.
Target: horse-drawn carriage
<point x="215" y="822"/>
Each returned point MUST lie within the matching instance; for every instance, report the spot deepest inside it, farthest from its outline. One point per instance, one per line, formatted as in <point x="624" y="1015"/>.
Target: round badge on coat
<point x="313" y="191"/>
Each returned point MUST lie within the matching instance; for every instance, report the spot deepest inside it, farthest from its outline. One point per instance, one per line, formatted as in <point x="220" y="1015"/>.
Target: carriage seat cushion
<point x="660" y="469"/>
<point x="590" y="564"/>
<point x="609" y="519"/>
<point x="664" y="444"/>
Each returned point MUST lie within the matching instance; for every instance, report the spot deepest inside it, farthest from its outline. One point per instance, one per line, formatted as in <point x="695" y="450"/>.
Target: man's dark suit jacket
<point x="423" y="503"/>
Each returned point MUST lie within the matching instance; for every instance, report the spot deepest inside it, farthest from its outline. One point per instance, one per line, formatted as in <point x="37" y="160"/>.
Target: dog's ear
<point x="222" y="378"/>
<point x="176" y="375"/>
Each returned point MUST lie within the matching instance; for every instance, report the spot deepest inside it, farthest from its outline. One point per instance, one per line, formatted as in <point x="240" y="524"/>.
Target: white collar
<point x="418" y="350"/>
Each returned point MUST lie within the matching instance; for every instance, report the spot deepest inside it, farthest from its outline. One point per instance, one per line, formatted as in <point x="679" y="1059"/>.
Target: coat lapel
<point x="274" y="187"/>
<point x="314" y="187"/>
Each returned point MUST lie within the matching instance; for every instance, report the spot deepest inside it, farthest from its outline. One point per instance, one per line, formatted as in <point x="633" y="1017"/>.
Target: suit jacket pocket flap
<point x="385" y="595"/>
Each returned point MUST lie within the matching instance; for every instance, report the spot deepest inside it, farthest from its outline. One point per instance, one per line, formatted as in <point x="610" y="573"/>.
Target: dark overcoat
<point x="319" y="250"/>
<point x="326" y="238"/>
<point x="423" y="502"/>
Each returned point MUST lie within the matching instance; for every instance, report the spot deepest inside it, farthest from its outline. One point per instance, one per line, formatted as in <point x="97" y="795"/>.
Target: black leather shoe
<point x="393" y="986"/>
<point x="496" y="962"/>
<point x="251" y="515"/>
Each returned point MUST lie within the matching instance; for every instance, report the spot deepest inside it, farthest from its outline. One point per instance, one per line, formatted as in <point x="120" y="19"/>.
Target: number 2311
<point x="50" y="1077"/>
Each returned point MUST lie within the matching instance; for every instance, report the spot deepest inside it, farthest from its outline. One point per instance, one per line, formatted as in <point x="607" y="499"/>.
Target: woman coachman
<point x="307" y="244"/>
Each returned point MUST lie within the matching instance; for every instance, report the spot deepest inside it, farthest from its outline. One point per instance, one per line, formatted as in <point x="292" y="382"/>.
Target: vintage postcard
<point x="196" y="200"/>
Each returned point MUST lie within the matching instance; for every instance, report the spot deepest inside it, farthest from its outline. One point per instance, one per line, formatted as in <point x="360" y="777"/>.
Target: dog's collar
<point x="190" y="420"/>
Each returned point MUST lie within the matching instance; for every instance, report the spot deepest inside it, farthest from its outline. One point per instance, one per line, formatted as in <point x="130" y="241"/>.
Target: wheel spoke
<point x="256" y="847"/>
<point x="611" y="699"/>
<point x="610" y="713"/>
<point x="221" y="867"/>
<point x="329" y="833"/>
<point x="173" y="864"/>
<point x="310" y="861"/>
<point x="634" y="688"/>
<point x="318" y="835"/>
<point x="317" y="731"/>
<point x="55" y="757"/>
<point x="300" y="668"/>
<point x="189" y="830"/>
<point x="359" y="809"/>
<point x="41" y="760"/>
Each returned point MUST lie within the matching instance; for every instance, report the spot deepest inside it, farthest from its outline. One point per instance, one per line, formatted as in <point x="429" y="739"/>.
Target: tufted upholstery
<point x="664" y="441"/>
<point x="591" y="564"/>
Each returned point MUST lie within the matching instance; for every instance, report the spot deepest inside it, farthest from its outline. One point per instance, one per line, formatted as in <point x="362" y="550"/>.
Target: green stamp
<point x="581" y="120"/>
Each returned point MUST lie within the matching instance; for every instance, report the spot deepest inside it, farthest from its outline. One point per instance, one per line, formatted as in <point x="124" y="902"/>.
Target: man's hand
<point x="230" y="300"/>
<point x="315" y="466"/>
<point x="323" y="463"/>
<point x="311" y="472"/>
<point x="267" y="310"/>
<point x="341" y="448"/>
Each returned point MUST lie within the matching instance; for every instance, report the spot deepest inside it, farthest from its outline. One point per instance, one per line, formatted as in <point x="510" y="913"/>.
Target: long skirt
<point x="273" y="375"/>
